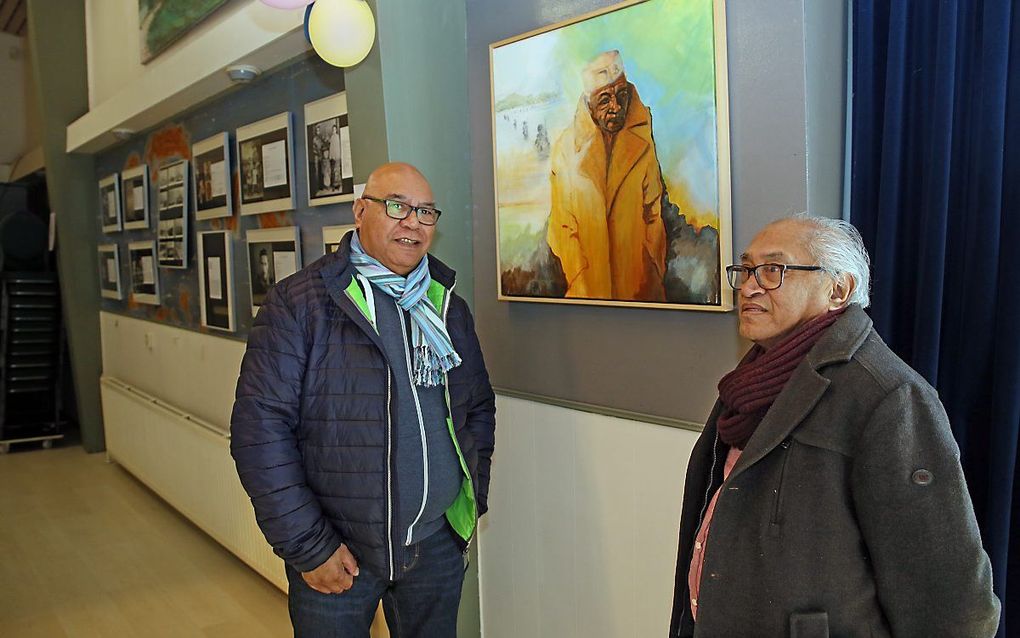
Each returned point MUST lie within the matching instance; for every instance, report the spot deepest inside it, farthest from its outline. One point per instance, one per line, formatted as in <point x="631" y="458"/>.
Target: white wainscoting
<point x="581" y="535"/>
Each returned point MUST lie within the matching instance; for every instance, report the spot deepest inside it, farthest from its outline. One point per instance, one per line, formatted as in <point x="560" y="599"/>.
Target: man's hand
<point x="336" y="575"/>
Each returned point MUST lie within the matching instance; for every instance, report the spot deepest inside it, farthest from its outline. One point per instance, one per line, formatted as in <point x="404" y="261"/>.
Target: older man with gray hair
<point x="825" y="495"/>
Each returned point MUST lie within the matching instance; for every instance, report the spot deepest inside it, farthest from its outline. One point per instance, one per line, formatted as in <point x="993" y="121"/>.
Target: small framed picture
<point x="331" y="236"/>
<point x="265" y="155"/>
<point x="135" y="188"/>
<point x="273" y="254"/>
<point x="210" y="160"/>
<point x="172" y="229"/>
<point x="216" y="281"/>
<point x="144" y="275"/>
<point x="109" y="272"/>
<point x="328" y="149"/>
<point x="109" y="203"/>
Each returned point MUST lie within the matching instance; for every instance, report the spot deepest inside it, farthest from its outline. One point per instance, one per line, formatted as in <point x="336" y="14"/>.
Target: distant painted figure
<point x="605" y="222"/>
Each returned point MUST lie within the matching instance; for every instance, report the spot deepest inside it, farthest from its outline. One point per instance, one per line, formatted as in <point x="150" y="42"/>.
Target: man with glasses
<point x="825" y="494"/>
<point x="363" y="427"/>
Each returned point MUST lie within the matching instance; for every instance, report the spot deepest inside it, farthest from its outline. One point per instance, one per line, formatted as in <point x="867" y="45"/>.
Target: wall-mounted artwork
<point x="266" y="159"/>
<point x="211" y="167"/>
<point x="109" y="203"/>
<point x="161" y="22"/>
<point x="135" y="188"/>
<point x="273" y="254"/>
<point x="109" y="272"/>
<point x="173" y="215"/>
<point x="216" y="279"/>
<point x="611" y="156"/>
<point x="144" y="275"/>
<point x="331" y="236"/>
<point x="328" y="148"/>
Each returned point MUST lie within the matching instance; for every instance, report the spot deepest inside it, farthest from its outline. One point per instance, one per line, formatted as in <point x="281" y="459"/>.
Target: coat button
<point x="922" y="477"/>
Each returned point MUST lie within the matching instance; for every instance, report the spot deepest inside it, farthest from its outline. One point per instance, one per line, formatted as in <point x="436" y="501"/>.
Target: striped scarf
<point x="434" y="355"/>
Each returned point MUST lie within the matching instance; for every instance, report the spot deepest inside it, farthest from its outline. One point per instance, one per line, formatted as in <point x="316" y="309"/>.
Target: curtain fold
<point x="935" y="191"/>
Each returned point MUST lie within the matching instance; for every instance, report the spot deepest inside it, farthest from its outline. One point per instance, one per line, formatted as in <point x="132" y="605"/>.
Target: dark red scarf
<point x="749" y="390"/>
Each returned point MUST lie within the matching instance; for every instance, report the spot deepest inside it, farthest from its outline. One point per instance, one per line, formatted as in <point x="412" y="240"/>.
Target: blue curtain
<point x="935" y="190"/>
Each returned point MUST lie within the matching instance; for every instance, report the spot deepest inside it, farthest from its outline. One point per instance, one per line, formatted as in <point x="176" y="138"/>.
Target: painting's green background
<point x="163" y="21"/>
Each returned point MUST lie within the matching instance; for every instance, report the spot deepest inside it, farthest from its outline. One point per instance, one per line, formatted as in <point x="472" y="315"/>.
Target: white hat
<point x="605" y="68"/>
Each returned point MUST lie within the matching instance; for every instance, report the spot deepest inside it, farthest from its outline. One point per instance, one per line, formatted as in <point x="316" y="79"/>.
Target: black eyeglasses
<point x="769" y="276"/>
<point x="397" y="209"/>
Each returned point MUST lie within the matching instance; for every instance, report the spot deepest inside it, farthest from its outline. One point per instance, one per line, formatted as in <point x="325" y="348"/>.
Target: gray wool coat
<point x="847" y="513"/>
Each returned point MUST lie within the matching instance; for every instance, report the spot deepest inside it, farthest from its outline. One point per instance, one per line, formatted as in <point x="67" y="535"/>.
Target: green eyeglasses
<point x="397" y="209"/>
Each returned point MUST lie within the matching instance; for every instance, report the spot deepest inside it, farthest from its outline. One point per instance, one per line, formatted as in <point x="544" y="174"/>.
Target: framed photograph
<point x="161" y="23"/>
<point x="645" y="223"/>
<point x="328" y="151"/>
<point x="109" y="272"/>
<point x="331" y="236"/>
<point x="172" y="229"/>
<point x="212" y="178"/>
<point x="144" y="274"/>
<point x="135" y="187"/>
<point x="273" y="254"/>
<point x="266" y="158"/>
<point x="109" y="203"/>
<point x="216" y="281"/>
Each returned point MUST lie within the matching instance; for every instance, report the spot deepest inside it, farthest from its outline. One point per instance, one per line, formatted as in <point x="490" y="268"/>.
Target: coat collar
<point x="807" y="386"/>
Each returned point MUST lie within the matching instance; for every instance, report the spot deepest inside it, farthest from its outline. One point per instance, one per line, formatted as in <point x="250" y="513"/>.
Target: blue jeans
<point x="421" y="603"/>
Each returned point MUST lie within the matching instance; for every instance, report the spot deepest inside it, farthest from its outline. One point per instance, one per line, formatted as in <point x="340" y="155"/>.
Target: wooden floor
<point x="86" y="550"/>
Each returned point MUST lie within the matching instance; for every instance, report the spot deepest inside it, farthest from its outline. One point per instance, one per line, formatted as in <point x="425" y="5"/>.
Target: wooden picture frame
<point x="212" y="179"/>
<point x="135" y="196"/>
<point x="144" y="272"/>
<point x="109" y="272"/>
<point x="110" y="204"/>
<point x="273" y="254"/>
<point x="265" y="160"/>
<point x="216" y="280"/>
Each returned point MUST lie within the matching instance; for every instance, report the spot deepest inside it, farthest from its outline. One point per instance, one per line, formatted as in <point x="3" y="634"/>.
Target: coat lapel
<point x="630" y="145"/>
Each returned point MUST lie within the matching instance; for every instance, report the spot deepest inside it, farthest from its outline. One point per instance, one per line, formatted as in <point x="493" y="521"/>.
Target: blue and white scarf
<point x="433" y="351"/>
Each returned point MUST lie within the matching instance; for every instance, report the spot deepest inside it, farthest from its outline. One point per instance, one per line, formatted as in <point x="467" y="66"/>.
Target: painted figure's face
<point x="264" y="264"/>
<point x="608" y="105"/>
<point x="767" y="316"/>
<point x="399" y="244"/>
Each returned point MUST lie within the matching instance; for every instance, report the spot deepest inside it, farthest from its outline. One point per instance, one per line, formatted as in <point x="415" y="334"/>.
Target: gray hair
<point x="839" y="249"/>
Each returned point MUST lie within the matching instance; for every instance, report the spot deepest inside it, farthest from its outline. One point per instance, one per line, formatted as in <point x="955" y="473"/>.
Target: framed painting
<point x="332" y="235"/>
<point x="144" y="275"/>
<point x="273" y="254"/>
<point x="266" y="164"/>
<point x="109" y="272"/>
<point x="172" y="228"/>
<point x="611" y="158"/>
<point x="328" y="151"/>
<point x="212" y="181"/>
<point x="135" y="189"/>
<point x="161" y="22"/>
<point x="216" y="281"/>
<point x="109" y="203"/>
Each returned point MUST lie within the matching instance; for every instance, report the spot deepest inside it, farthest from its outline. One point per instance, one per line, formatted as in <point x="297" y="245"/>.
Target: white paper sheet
<point x="345" y="153"/>
<point x="274" y="164"/>
<point x="215" y="283"/>
<point x="111" y="205"/>
<point x="285" y="263"/>
<point x="111" y="271"/>
<point x="138" y="196"/>
<point x="359" y="190"/>
<point x="218" y="178"/>
<point x="148" y="274"/>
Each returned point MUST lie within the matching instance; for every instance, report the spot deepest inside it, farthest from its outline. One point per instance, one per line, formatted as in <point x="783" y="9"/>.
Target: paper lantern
<point x="341" y="31"/>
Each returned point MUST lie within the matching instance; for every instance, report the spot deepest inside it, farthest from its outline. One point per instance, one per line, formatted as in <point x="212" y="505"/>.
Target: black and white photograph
<point x="109" y="203"/>
<point x="210" y="161"/>
<point x="328" y="149"/>
<point x="332" y="235"/>
<point x="266" y="165"/>
<point x="172" y="227"/>
<point x="273" y="254"/>
<point x="134" y="186"/>
<point x="216" y="279"/>
<point x="144" y="274"/>
<point x="109" y="272"/>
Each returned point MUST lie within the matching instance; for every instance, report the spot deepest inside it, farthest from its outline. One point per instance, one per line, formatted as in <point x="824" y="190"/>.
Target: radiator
<point x="187" y="462"/>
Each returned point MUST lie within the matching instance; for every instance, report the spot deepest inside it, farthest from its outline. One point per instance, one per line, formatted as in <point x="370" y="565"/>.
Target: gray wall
<point x="647" y="363"/>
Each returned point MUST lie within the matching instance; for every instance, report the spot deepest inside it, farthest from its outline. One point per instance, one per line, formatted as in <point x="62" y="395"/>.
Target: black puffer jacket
<point x="310" y="429"/>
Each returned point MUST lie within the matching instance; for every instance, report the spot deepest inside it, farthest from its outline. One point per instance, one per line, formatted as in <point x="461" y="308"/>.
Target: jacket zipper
<point x="421" y="430"/>
<point x="446" y="383"/>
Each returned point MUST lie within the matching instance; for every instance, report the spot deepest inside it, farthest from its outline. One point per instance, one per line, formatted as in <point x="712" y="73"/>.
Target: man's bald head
<point x="387" y="175"/>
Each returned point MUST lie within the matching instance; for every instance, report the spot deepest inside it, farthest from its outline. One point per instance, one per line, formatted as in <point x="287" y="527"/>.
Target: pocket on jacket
<point x="810" y="624"/>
